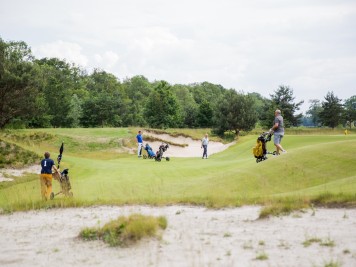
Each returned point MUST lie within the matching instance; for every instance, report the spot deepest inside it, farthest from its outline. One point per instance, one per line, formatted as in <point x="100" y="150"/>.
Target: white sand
<point x="195" y="236"/>
<point x="18" y="172"/>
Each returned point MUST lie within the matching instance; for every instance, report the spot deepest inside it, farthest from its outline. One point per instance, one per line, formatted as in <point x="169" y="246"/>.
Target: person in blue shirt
<point x="47" y="165"/>
<point x="139" y="139"/>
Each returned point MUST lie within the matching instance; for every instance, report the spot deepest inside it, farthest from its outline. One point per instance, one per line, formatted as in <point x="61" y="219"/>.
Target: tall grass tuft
<point x="283" y="206"/>
<point x="335" y="200"/>
<point x="126" y="230"/>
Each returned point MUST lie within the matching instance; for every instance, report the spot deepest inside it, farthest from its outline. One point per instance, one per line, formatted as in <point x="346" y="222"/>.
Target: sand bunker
<point x="195" y="236"/>
<point x="192" y="147"/>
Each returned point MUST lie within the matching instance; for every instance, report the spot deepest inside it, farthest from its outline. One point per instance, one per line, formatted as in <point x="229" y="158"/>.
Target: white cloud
<point x="107" y="60"/>
<point x="71" y="52"/>
<point x="247" y="45"/>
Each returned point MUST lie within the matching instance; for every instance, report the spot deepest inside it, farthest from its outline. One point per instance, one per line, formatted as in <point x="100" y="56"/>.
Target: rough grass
<point x="153" y="139"/>
<point x="327" y="242"/>
<point x="126" y="230"/>
<point x="13" y="156"/>
<point x="317" y="170"/>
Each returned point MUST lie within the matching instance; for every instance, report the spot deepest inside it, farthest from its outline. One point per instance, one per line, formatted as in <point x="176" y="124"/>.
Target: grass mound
<point x="126" y="230"/>
<point x="12" y="155"/>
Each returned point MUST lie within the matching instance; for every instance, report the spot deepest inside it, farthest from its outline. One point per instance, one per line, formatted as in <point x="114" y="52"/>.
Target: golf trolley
<point x="150" y="153"/>
<point x="260" y="151"/>
<point x="64" y="183"/>
<point x="159" y="154"/>
<point x="162" y="148"/>
<point x="62" y="178"/>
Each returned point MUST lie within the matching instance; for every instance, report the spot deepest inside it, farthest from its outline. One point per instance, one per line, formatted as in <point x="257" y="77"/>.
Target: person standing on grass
<point x="47" y="165"/>
<point x="278" y="131"/>
<point x="139" y="139"/>
<point x="204" y="144"/>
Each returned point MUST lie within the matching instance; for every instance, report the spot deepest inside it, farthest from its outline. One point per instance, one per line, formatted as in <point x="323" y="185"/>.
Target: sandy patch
<point x="192" y="148"/>
<point x="18" y="172"/>
<point x="195" y="236"/>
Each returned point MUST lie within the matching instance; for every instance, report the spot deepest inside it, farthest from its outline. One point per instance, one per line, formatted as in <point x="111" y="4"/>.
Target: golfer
<point x="47" y="165"/>
<point x="204" y="144"/>
<point x="278" y="131"/>
<point x="139" y="139"/>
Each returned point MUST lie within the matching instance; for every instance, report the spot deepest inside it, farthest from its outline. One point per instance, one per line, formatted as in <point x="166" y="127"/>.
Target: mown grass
<point x="126" y="230"/>
<point x="318" y="170"/>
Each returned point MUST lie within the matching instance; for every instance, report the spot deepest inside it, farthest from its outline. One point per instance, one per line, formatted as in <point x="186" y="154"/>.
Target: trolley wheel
<point x="144" y="157"/>
<point x="51" y="196"/>
<point x="167" y="158"/>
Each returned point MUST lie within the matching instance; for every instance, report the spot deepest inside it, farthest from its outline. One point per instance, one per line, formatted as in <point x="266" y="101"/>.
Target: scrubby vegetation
<point x="13" y="156"/>
<point x="126" y="230"/>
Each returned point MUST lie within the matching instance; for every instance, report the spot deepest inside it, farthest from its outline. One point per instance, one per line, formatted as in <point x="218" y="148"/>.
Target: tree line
<point x="49" y="92"/>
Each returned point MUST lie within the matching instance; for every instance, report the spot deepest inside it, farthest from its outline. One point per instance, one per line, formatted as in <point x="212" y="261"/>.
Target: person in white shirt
<point x="204" y="144"/>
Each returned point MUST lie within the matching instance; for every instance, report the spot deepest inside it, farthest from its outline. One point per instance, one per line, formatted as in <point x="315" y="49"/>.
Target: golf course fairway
<point x="102" y="172"/>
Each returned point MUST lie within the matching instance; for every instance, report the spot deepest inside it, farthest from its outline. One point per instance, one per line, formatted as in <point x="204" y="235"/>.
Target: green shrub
<point x="311" y="240"/>
<point x="89" y="234"/>
<point x="262" y="256"/>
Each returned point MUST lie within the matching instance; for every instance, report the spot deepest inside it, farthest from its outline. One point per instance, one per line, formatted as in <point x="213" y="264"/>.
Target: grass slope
<point x="314" y="167"/>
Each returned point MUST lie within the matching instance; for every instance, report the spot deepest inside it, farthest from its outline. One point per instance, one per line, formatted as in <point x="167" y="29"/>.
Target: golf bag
<point x="150" y="153"/>
<point x="159" y="154"/>
<point x="260" y="151"/>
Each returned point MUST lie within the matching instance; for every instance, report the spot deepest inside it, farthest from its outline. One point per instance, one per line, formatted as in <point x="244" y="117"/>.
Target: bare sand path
<point x="18" y="172"/>
<point x="195" y="236"/>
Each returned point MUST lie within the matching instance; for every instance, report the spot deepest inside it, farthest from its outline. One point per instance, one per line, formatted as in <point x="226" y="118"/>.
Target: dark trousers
<point x="205" y="153"/>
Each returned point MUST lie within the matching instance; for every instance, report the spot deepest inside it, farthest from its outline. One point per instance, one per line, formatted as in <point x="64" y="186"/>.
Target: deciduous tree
<point x="314" y="111"/>
<point x="350" y="111"/>
<point x="332" y="110"/>
<point x="162" y="108"/>
<point x="18" y="77"/>
<point x="235" y="112"/>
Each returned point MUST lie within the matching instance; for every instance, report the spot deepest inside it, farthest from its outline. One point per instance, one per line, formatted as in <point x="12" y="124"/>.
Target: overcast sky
<point x="251" y="46"/>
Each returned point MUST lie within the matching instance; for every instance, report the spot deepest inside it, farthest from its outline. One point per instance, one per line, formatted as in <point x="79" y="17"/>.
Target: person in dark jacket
<point x="47" y="165"/>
